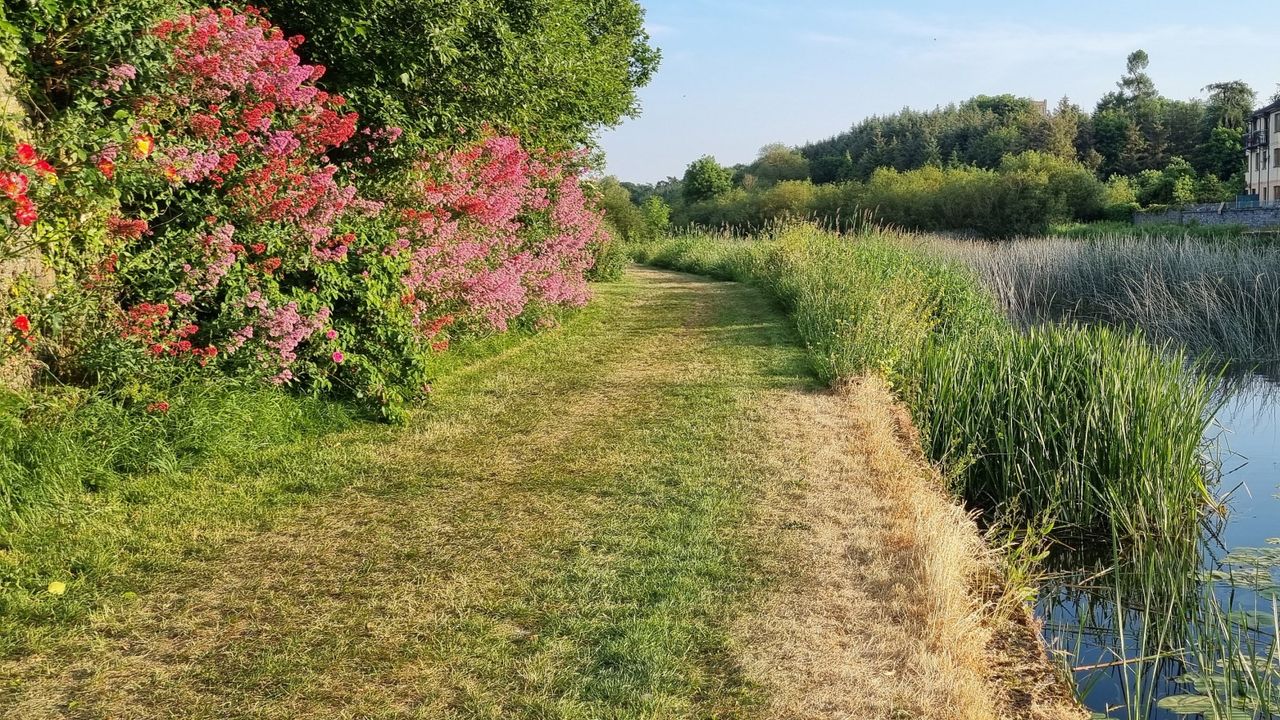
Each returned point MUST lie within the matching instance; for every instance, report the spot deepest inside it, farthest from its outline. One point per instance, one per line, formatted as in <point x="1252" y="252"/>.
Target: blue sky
<point x="738" y="74"/>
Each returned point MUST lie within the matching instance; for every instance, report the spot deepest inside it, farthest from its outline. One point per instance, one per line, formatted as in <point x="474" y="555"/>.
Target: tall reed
<point x="1091" y="429"/>
<point x="1221" y="299"/>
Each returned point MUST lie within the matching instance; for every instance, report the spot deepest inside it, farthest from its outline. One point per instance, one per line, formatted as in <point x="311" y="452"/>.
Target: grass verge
<point x="1089" y="430"/>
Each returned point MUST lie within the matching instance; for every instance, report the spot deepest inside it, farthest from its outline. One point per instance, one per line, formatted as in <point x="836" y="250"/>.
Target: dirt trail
<point x="655" y="514"/>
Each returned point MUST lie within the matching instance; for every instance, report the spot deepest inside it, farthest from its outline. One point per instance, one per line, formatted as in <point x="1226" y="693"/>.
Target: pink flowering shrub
<point x="242" y="241"/>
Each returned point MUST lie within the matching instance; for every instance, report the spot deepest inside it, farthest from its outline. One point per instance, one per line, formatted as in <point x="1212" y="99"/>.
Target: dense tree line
<point x="998" y="165"/>
<point x="1132" y="129"/>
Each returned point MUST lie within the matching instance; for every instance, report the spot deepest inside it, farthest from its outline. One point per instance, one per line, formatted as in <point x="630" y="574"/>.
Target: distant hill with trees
<point x="1009" y="160"/>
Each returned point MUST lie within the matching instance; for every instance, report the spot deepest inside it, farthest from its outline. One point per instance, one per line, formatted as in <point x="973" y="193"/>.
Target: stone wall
<point x="1253" y="217"/>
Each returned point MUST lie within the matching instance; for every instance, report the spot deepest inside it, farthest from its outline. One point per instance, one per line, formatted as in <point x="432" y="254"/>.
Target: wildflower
<point x="57" y="587"/>
<point x="107" y="168"/>
<point x="14" y="184"/>
<point x="25" y="212"/>
<point x="44" y="168"/>
<point x="183" y="298"/>
<point x="158" y="408"/>
<point x="143" y="145"/>
<point x="27" y="154"/>
<point x="338" y="357"/>
<point x="22" y="324"/>
<point x="270" y="265"/>
<point x="331" y="335"/>
<point x="119" y="227"/>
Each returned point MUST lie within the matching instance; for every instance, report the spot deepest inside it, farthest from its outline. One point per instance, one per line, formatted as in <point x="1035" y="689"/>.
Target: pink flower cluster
<point x="295" y="275"/>
<point x="498" y="229"/>
<point x="282" y="330"/>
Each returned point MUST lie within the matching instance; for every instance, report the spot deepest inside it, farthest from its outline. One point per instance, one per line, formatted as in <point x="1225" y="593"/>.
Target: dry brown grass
<point x="887" y="611"/>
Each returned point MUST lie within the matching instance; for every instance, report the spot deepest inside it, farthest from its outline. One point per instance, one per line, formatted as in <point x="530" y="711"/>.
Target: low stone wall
<point x="1255" y="217"/>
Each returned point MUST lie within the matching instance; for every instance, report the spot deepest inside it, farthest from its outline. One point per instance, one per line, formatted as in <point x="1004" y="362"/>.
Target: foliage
<point x="1131" y="130"/>
<point x="210" y="216"/>
<point x="1022" y="197"/>
<point x="551" y="72"/>
<point x="776" y="163"/>
<point x="1095" y="431"/>
<point x="705" y="179"/>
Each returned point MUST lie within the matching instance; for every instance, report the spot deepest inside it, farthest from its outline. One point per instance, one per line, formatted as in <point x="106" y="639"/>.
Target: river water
<point x="1120" y="641"/>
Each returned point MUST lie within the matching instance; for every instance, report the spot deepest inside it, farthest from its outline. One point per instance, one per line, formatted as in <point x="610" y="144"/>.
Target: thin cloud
<point x="814" y="38"/>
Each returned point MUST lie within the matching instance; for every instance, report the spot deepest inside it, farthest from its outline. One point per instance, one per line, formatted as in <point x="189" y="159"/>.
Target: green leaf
<point x="1187" y="704"/>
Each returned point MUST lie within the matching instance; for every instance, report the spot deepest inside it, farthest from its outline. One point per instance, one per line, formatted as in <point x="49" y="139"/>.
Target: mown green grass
<point x="1092" y="430"/>
<point x="559" y="535"/>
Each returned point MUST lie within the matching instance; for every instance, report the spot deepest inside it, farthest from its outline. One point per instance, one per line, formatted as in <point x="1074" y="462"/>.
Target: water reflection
<point x="1141" y="626"/>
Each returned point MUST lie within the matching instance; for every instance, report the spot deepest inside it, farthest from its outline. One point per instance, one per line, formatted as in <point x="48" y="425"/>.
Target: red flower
<point x="22" y="324"/>
<point x="27" y="154"/>
<point x="43" y="167"/>
<point x="270" y="265"/>
<point x="107" y="168"/>
<point x="131" y="229"/>
<point x="158" y="408"/>
<point x="25" y="212"/>
<point x="13" y="184"/>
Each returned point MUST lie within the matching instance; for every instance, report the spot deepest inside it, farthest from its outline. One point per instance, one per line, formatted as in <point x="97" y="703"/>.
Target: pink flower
<point x="331" y="335"/>
<point x="338" y="357"/>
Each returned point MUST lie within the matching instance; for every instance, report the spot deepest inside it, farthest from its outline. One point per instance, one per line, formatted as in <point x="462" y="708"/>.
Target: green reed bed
<point x="1093" y="430"/>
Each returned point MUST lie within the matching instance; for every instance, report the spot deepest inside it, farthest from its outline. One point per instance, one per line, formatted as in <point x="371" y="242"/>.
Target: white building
<point x="1262" y="154"/>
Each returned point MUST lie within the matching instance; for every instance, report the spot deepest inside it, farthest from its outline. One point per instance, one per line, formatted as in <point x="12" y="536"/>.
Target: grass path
<point x="649" y="513"/>
<point x="554" y="539"/>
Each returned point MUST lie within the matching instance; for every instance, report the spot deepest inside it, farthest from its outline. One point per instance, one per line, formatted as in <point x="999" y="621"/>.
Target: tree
<point x="777" y="163"/>
<point x="657" y="215"/>
<point x="1136" y="85"/>
<point x="705" y="178"/>
<point x="1230" y="104"/>
<point x="1062" y="129"/>
<point x="1223" y="154"/>
<point x="1118" y="141"/>
<point x="551" y="71"/>
<point x="619" y="211"/>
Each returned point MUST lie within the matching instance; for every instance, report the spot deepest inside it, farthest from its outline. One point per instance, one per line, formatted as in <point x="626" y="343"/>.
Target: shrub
<point x="216" y="221"/>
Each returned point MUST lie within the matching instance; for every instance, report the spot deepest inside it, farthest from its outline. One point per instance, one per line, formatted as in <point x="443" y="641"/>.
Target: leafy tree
<point x="1223" y="154"/>
<point x="705" y="179"/>
<point x="619" y="211"/>
<point x="657" y="215"/>
<point x="1230" y="104"/>
<point x="551" y="71"/>
<point x="777" y="163"/>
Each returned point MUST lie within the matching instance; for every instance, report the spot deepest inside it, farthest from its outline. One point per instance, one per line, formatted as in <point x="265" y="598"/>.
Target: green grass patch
<point x="560" y="534"/>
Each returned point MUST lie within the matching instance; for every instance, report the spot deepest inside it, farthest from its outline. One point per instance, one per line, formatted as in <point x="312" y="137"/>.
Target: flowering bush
<point x="241" y="242"/>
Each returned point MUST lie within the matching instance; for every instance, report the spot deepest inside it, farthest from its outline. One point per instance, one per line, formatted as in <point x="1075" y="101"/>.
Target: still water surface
<point x="1093" y="625"/>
